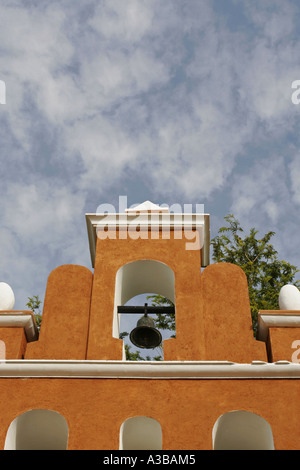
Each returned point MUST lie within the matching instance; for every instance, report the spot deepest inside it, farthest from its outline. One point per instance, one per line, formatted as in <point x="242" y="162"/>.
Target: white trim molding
<point x="148" y="369"/>
<point x="276" y="319"/>
<point x="20" y="319"/>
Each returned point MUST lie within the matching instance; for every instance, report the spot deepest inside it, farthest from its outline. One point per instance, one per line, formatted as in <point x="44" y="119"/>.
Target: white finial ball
<point x="7" y="297"/>
<point x="289" y="298"/>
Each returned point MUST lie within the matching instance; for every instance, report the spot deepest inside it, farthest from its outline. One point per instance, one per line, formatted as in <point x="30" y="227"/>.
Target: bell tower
<point x="145" y="249"/>
<point x="149" y="249"/>
<point x="218" y="386"/>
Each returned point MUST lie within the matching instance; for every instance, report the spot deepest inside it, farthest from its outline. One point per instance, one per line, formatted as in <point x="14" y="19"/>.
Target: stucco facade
<point x="214" y="367"/>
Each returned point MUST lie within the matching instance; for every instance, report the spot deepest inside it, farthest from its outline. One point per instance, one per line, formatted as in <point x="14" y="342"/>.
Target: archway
<point x="37" y="430"/>
<point x="141" y="433"/>
<point x="242" y="430"/>
<point x="138" y="279"/>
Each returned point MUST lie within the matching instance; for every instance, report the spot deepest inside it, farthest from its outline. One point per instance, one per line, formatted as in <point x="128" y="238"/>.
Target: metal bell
<point x="145" y="335"/>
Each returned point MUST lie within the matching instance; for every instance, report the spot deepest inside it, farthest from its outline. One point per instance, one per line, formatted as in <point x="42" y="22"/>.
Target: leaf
<point x="265" y="273"/>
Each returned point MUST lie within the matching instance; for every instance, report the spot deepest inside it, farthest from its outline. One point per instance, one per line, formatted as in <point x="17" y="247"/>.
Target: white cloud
<point x="164" y="91"/>
<point x="126" y="21"/>
<point x="274" y="20"/>
<point x="42" y="225"/>
<point x="294" y="173"/>
<point x="196" y="127"/>
<point x="41" y="210"/>
<point x="108" y="78"/>
<point x="262" y="194"/>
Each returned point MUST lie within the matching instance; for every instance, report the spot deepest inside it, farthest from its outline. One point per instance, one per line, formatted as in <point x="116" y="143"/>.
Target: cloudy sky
<point x="176" y="101"/>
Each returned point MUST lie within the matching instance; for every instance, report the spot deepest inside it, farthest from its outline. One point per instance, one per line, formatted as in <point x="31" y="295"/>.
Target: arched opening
<point x="134" y="282"/>
<point x="140" y="433"/>
<point x="242" y="430"/>
<point x="37" y="430"/>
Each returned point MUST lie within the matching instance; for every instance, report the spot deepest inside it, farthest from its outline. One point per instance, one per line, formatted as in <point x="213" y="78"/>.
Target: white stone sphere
<point x="7" y="297"/>
<point x="289" y="298"/>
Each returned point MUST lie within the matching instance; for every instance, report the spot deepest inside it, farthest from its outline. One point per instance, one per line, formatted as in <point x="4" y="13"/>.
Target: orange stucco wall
<point x="213" y="322"/>
<point x="186" y="409"/>
<point x="284" y="344"/>
<point x="64" y="329"/>
<point x="15" y="343"/>
<point x="111" y="254"/>
<point x="213" y="319"/>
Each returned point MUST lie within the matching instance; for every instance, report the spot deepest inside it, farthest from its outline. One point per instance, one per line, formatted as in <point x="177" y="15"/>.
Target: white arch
<point x="37" y="430"/>
<point x="140" y="433"/>
<point x="140" y="277"/>
<point x="242" y="430"/>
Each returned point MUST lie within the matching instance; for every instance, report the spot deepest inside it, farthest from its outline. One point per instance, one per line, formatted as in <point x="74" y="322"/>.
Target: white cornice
<point x="196" y="370"/>
<point x="20" y="319"/>
<point x="147" y="221"/>
<point x="276" y="319"/>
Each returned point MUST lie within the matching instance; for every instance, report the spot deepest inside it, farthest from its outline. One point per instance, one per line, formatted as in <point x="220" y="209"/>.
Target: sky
<point x="172" y="101"/>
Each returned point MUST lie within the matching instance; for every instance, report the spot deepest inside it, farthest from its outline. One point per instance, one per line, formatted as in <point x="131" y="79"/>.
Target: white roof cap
<point x="147" y="206"/>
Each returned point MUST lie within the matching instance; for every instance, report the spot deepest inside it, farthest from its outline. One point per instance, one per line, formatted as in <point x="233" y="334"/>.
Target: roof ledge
<point x="20" y="319"/>
<point x="148" y="369"/>
<point x="276" y="319"/>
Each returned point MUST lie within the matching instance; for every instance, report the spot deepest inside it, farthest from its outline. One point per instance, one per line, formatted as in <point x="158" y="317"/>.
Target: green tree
<point x="34" y="304"/>
<point x="257" y="257"/>
<point x="163" y="321"/>
<point x="136" y="355"/>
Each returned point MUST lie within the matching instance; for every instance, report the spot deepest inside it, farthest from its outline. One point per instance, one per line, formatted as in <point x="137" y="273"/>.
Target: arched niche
<point x="242" y="430"/>
<point x="140" y="433"/>
<point x="37" y="430"/>
<point x="140" y="277"/>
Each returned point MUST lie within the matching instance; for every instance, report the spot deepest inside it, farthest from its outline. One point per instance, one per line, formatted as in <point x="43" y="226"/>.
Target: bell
<point x="145" y="335"/>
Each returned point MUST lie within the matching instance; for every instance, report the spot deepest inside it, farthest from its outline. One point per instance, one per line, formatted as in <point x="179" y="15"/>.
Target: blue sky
<point x="175" y="101"/>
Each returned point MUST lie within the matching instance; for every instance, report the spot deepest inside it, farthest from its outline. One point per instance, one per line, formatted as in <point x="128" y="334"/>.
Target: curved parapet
<point x="227" y="315"/>
<point x="65" y="319"/>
